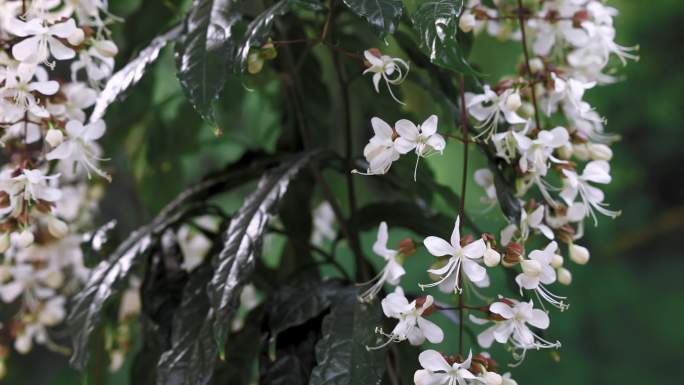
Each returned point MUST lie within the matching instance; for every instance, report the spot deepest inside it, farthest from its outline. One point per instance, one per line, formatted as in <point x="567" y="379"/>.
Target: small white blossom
<point x="538" y="271"/>
<point x="80" y="147"/>
<point x="597" y="171"/>
<point x="392" y="70"/>
<point x="392" y="272"/>
<point x="466" y="257"/>
<point x="380" y="151"/>
<point x="490" y="109"/>
<point x="423" y="138"/>
<point x="437" y="371"/>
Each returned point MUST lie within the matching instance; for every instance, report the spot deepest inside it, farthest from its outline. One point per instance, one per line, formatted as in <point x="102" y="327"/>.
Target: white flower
<point x="538" y="271"/>
<point x="412" y="325"/>
<point x="423" y="138"/>
<point x="484" y="178"/>
<point x="323" y="222"/>
<point x="597" y="171"/>
<point x="489" y="108"/>
<point x="380" y="151"/>
<point x="568" y="92"/>
<point x="535" y="154"/>
<point x="437" y="371"/>
<point x="529" y="221"/>
<point x="579" y="254"/>
<point x="78" y="98"/>
<point x="392" y="70"/>
<point x="97" y="67"/>
<point x="80" y="146"/>
<point x="42" y="40"/>
<point x="32" y="186"/>
<point x="20" y="85"/>
<point x="552" y="33"/>
<point x="510" y="326"/>
<point x="466" y="256"/>
<point x="392" y="272"/>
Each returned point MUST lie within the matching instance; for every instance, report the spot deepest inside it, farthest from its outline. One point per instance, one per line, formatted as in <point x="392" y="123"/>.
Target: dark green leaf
<point x="242" y="242"/>
<point x="242" y="352"/>
<point x="259" y="28"/>
<point x="104" y="280"/>
<point x="131" y="73"/>
<point x="341" y="353"/>
<point x="505" y="193"/>
<point x="191" y="357"/>
<point x="311" y="5"/>
<point x="436" y="22"/>
<point x="382" y="15"/>
<point x="205" y="52"/>
<point x="294" y="305"/>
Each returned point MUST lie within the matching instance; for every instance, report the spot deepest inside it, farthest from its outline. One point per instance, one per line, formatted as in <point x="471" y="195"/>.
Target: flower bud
<point x="76" y="38"/>
<point x="564" y="276"/>
<point x="531" y="267"/>
<point x="57" y="228"/>
<point x="54" y="278"/>
<point x="254" y="63"/>
<point x="467" y="22"/>
<point x="556" y="261"/>
<point x="23" y="343"/>
<point x="579" y="254"/>
<point x="54" y="137"/>
<point x="491" y="257"/>
<point x="536" y="65"/>
<point x="491" y="378"/>
<point x="513" y="102"/>
<point x="26" y="239"/>
<point x="407" y="247"/>
<point x="580" y="151"/>
<point x="106" y="48"/>
<point x="4" y="242"/>
<point x="565" y="152"/>
<point x="599" y="151"/>
<point x="514" y="251"/>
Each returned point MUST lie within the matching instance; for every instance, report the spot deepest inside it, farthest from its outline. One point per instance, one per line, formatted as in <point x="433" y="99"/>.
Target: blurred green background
<point x="625" y="323"/>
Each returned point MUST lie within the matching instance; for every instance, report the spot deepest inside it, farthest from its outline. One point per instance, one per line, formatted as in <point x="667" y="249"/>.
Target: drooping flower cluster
<point x="54" y="57"/>
<point x="551" y="158"/>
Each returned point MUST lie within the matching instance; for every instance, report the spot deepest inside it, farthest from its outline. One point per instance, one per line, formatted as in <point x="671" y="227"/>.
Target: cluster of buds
<point x="54" y="58"/>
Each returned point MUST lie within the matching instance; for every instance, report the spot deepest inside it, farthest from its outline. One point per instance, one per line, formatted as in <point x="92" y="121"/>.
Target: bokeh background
<point x="626" y="322"/>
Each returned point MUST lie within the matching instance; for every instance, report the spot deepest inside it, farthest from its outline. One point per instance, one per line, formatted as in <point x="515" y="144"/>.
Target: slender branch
<point x="521" y="19"/>
<point x="461" y="210"/>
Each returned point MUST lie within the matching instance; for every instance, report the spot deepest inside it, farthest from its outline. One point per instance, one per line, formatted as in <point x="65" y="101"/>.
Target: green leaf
<point x="259" y="29"/>
<point x="504" y="182"/>
<point x="294" y="305"/>
<point x="341" y="352"/>
<point x="131" y="73"/>
<point x="311" y="5"/>
<point x="382" y="15"/>
<point x="206" y="51"/>
<point x="191" y="357"/>
<point x="105" y="279"/>
<point x="436" y="22"/>
<point x="243" y="240"/>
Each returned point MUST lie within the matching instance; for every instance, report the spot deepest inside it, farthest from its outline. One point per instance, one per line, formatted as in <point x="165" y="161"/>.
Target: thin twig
<point x="461" y="210"/>
<point x="521" y="19"/>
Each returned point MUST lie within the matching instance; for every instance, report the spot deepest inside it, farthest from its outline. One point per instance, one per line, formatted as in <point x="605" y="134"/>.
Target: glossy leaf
<point x="206" y="51"/>
<point x="259" y="28"/>
<point x="191" y="357"/>
<point x="341" y="353"/>
<point x="131" y="73"/>
<point x="311" y="5"/>
<point x="104" y="279"/>
<point x="243" y="239"/>
<point x="436" y="22"/>
<point x="294" y="305"/>
<point x="382" y="15"/>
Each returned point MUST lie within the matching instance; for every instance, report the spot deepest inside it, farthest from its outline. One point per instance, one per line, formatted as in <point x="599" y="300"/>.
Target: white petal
<point x="407" y="130"/>
<point x="433" y="360"/>
<point x="475" y="250"/>
<point x="26" y="49"/>
<point x="403" y="145"/>
<point x="501" y="309"/>
<point x="539" y="319"/>
<point x="380" y="245"/>
<point x="438" y="246"/>
<point x="429" y="126"/>
<point x="456" y="234"/>
<point x="381" y="128"/>
<point x="473" y="270"/>
<point x="431" y="331"/>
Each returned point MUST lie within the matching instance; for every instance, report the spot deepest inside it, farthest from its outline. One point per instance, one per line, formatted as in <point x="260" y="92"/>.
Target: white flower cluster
<point x="54" y="57"/>
<point x="556" y="167"/>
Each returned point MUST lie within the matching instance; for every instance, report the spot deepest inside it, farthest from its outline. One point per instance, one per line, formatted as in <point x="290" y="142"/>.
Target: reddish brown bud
<point x="489" y="237"/>
<point x="407" y="247"/>
<point x="466" y="240"/>
<point x="514" y="252"/>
